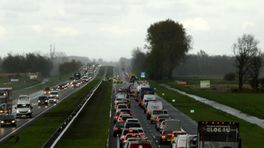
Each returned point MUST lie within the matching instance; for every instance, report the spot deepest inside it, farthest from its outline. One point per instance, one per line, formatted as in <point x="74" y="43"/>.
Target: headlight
<point x="57" y="95"/>
<point x="29" y="110"/>
<point x="46" y="100"/>
<point x="13" y="121"/>
<point x="38" y="100"/>
<point x="2" y="121"/>
<point x="17" y="111"/>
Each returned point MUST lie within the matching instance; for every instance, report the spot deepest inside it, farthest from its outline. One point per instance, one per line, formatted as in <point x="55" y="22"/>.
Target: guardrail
<point x="53" y="140"/>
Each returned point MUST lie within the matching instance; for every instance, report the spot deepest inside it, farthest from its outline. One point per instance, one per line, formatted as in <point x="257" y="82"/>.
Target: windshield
<point x="157" y="112"/>
<point x="42" y="98"/>
<point x="54" y="93"/>
<point x="23" y="105"/>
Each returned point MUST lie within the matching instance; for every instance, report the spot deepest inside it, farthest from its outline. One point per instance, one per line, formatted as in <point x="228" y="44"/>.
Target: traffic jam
<point x="13" y="110"/>
<point x="130" y="131"/>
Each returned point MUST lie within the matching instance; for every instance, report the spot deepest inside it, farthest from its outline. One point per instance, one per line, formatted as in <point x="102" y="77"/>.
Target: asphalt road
<point x="188" y="124"/>
<point x="5" y="132"/>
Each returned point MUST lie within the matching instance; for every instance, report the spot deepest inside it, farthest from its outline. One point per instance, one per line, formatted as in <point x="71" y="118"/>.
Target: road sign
<point x="142" y="75"/>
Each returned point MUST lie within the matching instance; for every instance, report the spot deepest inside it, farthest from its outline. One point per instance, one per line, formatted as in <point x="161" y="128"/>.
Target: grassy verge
<point x="23" y="82"/>
<point x="251" y="134"/>
<point x="40" y="130"/>
<point x="90" y="129"/>
<point x="247" y="102"/>
<point x="85" y="132"/>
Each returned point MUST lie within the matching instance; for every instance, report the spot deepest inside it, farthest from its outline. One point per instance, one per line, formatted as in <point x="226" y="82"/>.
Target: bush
<point x="230" y="76"/>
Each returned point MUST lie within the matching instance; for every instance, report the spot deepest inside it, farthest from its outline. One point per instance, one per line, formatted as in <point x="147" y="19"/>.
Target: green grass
<point x="90" y="129"/>
<point x="251" y="134"/>
<point x="40" y="130"/>
<point x="247" y="102"/>
<point x="23" y="82"/>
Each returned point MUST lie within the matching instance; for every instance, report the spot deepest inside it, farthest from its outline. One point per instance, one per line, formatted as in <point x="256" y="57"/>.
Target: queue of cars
<point x="52" y="95"/>
<point x="171" y="131"/>
<point x="126" y="127"/>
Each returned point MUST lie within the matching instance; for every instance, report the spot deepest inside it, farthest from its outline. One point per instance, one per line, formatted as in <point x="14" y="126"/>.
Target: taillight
<point x="115" y="129"/>
<point x="116" y="117"/>
<point x="170" y="135"/>
<point x="123" y="136"/>
<point x="163" y="137"/>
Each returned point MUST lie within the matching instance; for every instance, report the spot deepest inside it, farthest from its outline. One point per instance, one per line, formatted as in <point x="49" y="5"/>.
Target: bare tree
<point x="244" y="50"/>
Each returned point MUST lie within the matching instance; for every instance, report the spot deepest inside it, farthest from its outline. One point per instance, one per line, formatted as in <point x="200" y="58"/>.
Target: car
<point x="24" y="106"/>
<point x="131" y="139"/>
<point x="129" y="135"/>
<point x="46" y="91"/>
<point x="185" y="141"/>
<point x="121" y="106"/>
<point x="121" y="111"/>
<point x="140" y="130"/>
<point x="125" y="132"/>
<point x="167" y="136"/>
<point x="132" y="120"/>
<point x="54" y="94"/>
<point x="43" y="100"/>
<point x="132" y="125"/>
<point x="53" y="100"/>
<point x="118" y="127"/>
<point x="138" y="144"/>
<point x="121" y="102"/>
<point x="154" y="114"/>
<point x="123" y="117"/>
<point x="159" y="119"/>
<point x="7" y="120"/>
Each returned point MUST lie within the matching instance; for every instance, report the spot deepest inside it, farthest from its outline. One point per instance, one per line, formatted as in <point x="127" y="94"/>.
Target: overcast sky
<point x="110" y="29"/>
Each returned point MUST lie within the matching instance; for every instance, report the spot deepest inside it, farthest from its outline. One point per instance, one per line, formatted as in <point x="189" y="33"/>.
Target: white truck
<point x="153" y="105"/>
<point x="24" y="107"/>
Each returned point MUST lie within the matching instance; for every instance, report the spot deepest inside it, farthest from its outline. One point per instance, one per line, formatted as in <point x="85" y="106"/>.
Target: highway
<point x="188" y="124"/>
<point x="5" y="132"/>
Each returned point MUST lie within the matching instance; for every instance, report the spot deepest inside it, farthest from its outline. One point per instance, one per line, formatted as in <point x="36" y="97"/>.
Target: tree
<point x="254" y="69"/>
<point x="68" y="67"/>
<point x="244" y="50"/>
<point x="167" y="43"/>
<point x="138" y="61"/>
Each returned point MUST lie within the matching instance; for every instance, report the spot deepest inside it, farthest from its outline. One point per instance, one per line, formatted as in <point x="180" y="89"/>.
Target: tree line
<point x="69" y="67"/>
<point x="32" y="62"/>
<point x="26" y="63"/>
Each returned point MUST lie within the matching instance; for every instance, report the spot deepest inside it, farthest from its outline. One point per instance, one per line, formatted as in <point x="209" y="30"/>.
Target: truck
<point x="24" y="107"/>
<point x="144" y="90"/>
<point x="153" y="105"/>
<point x="218" y="134"/>
<point x="6" y="105"/>
<point x="5" y="100"/>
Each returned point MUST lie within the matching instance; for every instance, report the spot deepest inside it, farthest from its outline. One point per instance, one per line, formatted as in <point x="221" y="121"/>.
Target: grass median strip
<point x="90" y="129"/>
<point x="40" y="130"/>
<point x="251" y="134"/>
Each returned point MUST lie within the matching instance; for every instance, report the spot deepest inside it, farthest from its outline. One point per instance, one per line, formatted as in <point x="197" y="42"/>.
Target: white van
<point x="147" y="98"/>
<point x="24" y="107"/>
<point x="153" y="105"/>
